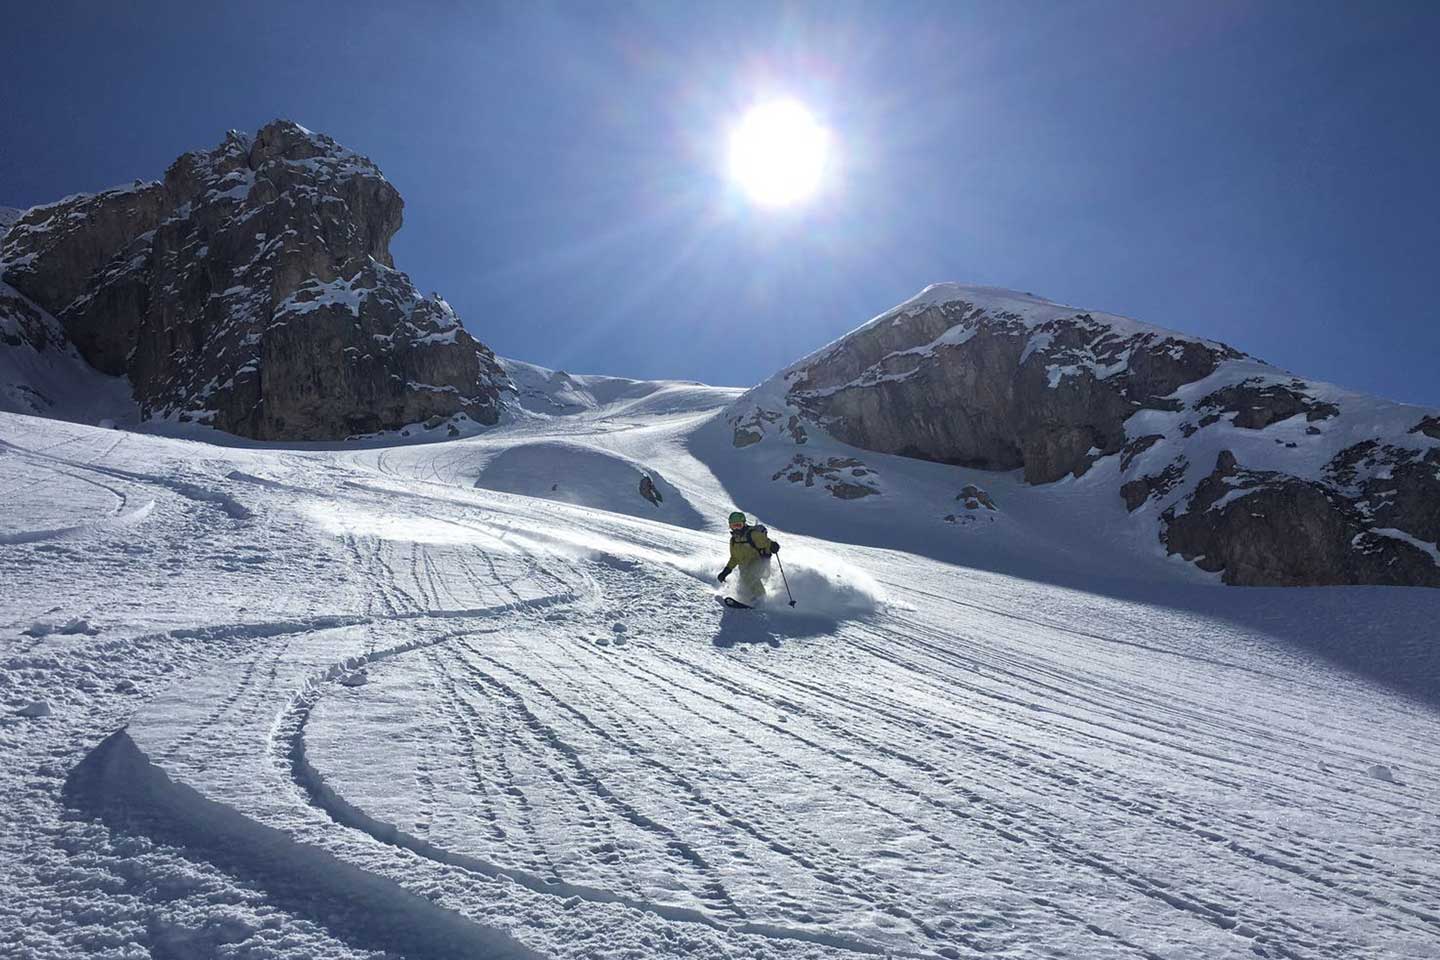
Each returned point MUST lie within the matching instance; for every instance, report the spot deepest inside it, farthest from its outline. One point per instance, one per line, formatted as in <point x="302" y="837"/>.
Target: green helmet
<point x="737" y="518"/>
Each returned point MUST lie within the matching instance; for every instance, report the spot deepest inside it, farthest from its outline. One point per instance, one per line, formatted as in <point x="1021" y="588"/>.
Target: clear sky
<point x="1263" y="173"/>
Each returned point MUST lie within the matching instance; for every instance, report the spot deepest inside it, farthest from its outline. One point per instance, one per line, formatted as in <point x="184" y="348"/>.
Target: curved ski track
<point x="551" y="756"/>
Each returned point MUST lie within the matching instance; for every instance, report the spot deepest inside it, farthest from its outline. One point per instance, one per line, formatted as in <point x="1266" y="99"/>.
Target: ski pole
<point x="785" y="579"/>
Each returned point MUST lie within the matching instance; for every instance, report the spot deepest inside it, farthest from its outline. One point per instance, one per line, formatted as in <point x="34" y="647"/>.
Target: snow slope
<point x="396" y="701"/>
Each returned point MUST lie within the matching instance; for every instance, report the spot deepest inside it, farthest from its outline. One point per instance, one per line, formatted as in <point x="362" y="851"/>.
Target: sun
<point x="779" y="153"/>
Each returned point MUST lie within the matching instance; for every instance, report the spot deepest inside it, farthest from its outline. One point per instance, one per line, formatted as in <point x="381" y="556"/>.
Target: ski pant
<point x="752" y="580"/>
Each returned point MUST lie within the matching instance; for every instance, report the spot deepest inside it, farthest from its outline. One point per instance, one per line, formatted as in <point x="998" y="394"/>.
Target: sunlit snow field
<point x="477" y="698"/>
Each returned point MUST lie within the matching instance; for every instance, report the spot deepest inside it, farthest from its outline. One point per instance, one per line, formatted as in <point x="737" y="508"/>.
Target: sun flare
<point x="779" y="153"/>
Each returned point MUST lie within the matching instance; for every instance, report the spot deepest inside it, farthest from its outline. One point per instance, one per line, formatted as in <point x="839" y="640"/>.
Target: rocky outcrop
<point x="846" y="478"/>
<point x="42" y="374"/>
<point x="253" y="289"/>
<point x="22" y="323"/>
<point x="1257" y="404"/>
<point x="752" y="430"/>
<point x="974" y="498"/>
<point x="1152" y="486"/>
<point x="52" y="253"/>
<point x="1265" y="528"/>
<point x="996" y="385"/>
<point x="1394" y="487"/>
<point x="978" y="505"/>
<point x="1336" y="488"/>
<point x="1430" y="427"/>
<point x="25" y="331"/>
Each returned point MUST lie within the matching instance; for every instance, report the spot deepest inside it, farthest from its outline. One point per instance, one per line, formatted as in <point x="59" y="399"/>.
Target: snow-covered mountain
<point x="1243" y="468"/>
<point x="538" y="391"/>
<point x="252" y="289"/>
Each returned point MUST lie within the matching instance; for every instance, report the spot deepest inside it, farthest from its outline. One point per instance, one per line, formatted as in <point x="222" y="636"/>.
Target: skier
<point x="648" y="491"/>
<point x="750" y="551"/>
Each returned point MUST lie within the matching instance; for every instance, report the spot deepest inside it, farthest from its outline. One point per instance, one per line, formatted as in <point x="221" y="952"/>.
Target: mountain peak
<point x="1335" y="485"/>
<point x="253" y="289"/>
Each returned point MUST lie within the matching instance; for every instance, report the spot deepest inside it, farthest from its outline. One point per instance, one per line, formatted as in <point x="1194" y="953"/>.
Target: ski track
<point x="551" y="756"/>
<point x="824" y="873"/>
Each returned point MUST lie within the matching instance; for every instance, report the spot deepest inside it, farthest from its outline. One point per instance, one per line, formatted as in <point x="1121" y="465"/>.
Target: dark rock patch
<point x="1257" y="404"/>
<point x="1136" y="447"/>
<point x="1430" y="426"/>
<point x="1136" y="492"/>
<point x="843" y="477"/>
<point x="1346" y="464"/>
<point x="994" y="400"/>
<point x="1262" y="528"/>
<point x="744" y="438"/>
<point x="975" y="498"/>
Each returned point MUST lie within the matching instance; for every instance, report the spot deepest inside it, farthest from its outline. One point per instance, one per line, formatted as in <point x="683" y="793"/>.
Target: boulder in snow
<point x="845" y="478"/>
<point x="974" y="498"/>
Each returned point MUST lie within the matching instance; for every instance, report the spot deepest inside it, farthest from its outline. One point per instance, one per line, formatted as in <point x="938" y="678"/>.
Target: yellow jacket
<point x="747" y="545"/>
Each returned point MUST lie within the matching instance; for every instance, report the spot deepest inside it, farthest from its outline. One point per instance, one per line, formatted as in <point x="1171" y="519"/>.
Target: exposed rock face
<point x="40" y="371"/>
<point x="1136" y="493"/>
<point x="1396" y="487"/>
<point x="1335" y="488"/>
<point x="1257" y="404"/>
<point x="25" y="331"/>
<point x="23" y="323"/>
<point x="996" y="386"/>
<point x="52" y="252"/>
<point x="253" y="289"/>
<point x="1264" y="528"/>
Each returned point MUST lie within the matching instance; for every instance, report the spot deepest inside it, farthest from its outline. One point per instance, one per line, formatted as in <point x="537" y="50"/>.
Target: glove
<point x="774" y="547"/>
<point x="723" y="574"/>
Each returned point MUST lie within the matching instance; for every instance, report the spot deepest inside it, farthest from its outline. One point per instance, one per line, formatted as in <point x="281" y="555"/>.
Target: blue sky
<point x="1262" y="173"/>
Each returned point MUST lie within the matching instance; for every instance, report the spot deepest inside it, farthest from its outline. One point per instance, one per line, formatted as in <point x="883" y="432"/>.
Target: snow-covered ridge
<point x="540" y="391"/>
<point x="42" y="216"/>
<point x="1010" y="306"/>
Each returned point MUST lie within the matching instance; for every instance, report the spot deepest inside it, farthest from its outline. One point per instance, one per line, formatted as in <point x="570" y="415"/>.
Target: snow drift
<point x="585" y="476"/>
